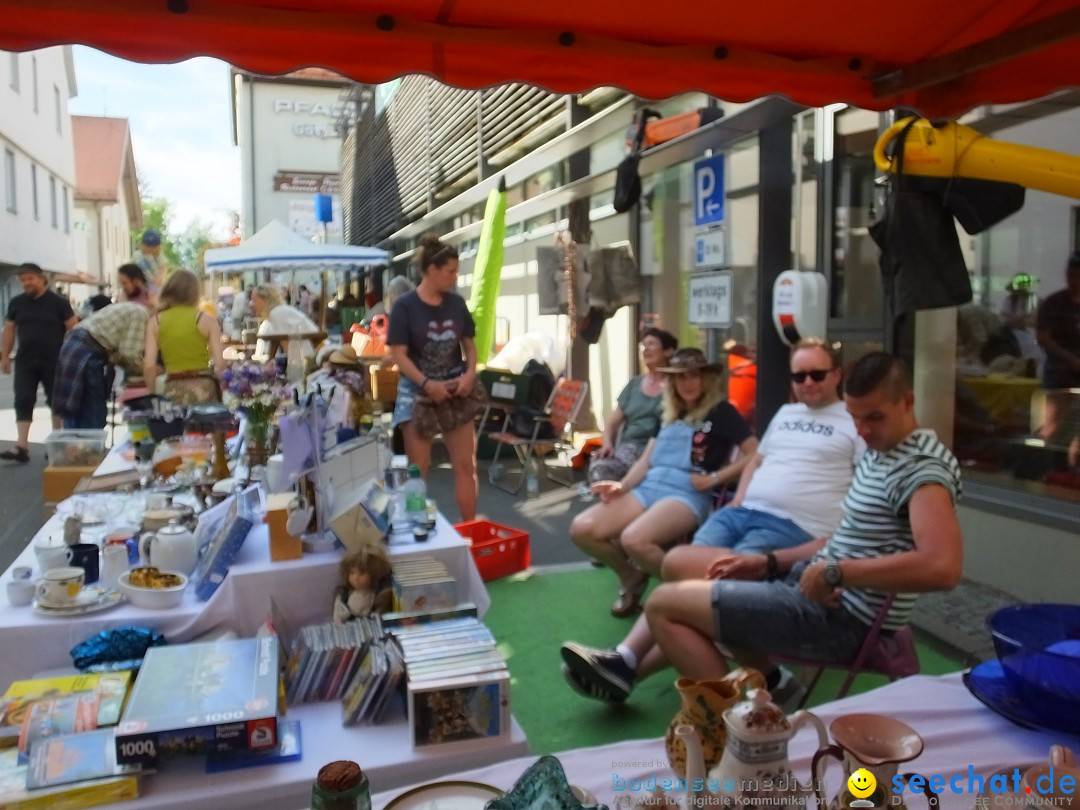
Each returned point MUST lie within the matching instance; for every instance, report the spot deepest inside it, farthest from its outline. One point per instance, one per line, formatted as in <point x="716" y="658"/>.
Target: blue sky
<point x="181" y="127"/>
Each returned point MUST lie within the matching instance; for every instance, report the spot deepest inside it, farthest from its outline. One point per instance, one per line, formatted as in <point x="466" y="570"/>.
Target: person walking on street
<point x="147" y="257"/>
<point x="38" y="318"/>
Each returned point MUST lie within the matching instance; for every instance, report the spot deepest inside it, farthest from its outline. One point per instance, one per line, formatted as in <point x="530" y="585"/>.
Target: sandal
<point x="629" y="601"/>
<point x="20" y="454"/>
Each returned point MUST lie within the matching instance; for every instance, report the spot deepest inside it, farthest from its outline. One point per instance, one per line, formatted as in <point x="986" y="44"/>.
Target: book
<point x="288" y="749"/>
<point x="110" y="687"/>
<point x="67" y="758"/>
<point x="201" y="698"/>
<point x="459" y="709"/>
<point x="57" y="716"/>
<point x="395" y="620"/>
<point x="14" y="795"/>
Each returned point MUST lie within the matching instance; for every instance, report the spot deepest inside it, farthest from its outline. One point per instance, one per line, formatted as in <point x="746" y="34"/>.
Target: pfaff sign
<point x="328" y="110"/>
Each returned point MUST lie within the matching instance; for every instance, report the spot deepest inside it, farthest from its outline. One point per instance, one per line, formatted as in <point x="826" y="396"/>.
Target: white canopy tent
<point x="275" y="248"/>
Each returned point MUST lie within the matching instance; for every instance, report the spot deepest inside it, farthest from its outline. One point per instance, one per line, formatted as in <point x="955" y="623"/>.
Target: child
<point x="364" y="585"/>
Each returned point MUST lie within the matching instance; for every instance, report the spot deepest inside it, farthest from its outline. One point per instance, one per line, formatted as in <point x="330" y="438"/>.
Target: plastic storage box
<point x="498" y="551"/>
<point x="76" y="448"/>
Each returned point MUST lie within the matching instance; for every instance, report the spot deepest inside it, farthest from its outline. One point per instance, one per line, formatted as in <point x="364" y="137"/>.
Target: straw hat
<point x="685" y="360"/>
<point x="345" y="356"/>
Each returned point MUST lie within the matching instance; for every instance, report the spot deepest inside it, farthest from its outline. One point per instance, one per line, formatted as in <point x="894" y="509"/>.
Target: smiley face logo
<point x="861" y="783"/>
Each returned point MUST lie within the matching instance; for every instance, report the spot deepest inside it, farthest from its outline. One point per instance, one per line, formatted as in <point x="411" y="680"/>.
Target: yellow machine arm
<point x="955" y="150"/>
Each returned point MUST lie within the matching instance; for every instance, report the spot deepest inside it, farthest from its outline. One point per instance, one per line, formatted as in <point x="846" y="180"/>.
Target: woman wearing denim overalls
<point x="670" y="486"/>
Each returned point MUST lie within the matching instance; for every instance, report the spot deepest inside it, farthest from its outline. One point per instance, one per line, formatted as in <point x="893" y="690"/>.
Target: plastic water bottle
<point x="383" y="453"/>
<point x="415" y="491"/>
<point x="532" y="478"/>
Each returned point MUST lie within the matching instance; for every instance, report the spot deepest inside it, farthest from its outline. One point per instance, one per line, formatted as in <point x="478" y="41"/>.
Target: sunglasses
<point x="817" y="375"/>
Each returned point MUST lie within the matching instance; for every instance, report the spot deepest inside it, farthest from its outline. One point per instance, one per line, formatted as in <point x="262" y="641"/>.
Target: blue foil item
<point x="118" y="644"/>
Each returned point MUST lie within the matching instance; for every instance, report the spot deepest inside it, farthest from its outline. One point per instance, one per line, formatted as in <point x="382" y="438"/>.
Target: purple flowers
<point x="254" y="389"/>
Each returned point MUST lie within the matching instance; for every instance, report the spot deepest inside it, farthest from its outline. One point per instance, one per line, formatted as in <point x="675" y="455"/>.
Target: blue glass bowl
<point x="1039" y="649"/>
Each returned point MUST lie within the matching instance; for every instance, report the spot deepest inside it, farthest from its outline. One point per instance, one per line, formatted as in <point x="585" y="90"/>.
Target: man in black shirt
<point x="99" y="301"/>
<point x="39" y="318"/>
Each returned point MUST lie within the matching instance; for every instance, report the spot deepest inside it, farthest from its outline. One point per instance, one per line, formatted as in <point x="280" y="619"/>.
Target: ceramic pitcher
<point x="703" y="707"/>
<point x="874" y="742"/>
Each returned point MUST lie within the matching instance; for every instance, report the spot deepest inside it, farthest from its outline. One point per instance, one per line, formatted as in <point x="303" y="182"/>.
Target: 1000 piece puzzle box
<point x="201" y="698"/>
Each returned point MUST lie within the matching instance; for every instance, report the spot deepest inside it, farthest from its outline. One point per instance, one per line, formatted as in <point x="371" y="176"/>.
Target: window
<point x="34" y="80"/>
<point x="58" y="109"/>
<point x="9" y="180"/>
<point x="52" y="201"/>
<point x="67" y="213"/>
<point x="34" y="191"/>
<point x="14" y="72"/>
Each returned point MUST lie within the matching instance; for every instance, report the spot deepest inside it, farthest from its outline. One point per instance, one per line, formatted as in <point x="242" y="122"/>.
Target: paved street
<point x="20" y="484"/>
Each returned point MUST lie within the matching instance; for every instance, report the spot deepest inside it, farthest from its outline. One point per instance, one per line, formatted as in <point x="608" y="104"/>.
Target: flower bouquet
<point x="256" y="391"/>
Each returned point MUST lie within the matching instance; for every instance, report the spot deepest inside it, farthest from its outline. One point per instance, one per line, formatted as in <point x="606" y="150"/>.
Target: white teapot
<point x="171" y="548"/>
<point x="754" y="771"/>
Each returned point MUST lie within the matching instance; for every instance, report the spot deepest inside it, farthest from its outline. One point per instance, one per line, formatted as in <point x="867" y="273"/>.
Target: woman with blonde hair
<point x="189" y="341"/>
<point x="278" y="318"/>
<point x="670" y="485"/>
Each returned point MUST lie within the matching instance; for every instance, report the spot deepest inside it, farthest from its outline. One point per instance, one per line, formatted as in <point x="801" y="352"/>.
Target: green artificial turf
<point x="533" y="613"/>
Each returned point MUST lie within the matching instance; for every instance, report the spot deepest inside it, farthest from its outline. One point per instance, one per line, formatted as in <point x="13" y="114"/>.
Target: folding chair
<point x="890" y="654"/>
<point x="560" y="412"/>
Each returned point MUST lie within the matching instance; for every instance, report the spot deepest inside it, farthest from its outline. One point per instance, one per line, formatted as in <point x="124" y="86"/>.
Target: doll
<point x="364" y="586"/>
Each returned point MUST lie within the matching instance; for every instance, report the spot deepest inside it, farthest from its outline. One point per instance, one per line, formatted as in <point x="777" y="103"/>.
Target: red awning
<point x="940" y="57"/>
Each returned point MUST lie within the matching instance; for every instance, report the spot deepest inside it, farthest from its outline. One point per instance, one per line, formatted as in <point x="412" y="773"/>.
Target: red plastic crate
<point x="498" y="551"/>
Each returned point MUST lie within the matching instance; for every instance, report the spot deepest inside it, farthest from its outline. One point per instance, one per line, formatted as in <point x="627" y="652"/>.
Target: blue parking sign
<point x="709" y="190"/>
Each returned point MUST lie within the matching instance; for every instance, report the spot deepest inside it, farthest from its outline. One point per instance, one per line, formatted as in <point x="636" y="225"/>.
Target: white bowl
<point x="153" y="598"/>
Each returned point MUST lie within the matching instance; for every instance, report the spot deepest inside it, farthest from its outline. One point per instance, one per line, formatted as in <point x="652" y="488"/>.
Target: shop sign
<point x="307" y="182"/>
<point x="709" y="249"/>
<point x="709" y="190"/>
<point x="709" y="299"/>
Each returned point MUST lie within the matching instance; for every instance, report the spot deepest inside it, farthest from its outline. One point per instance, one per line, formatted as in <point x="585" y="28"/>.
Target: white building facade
<point x="37" y="163"/>
<point x="288" y="130"/>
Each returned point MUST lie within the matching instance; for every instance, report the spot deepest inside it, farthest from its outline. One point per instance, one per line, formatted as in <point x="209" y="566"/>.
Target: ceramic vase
<point x="703" y="707"/>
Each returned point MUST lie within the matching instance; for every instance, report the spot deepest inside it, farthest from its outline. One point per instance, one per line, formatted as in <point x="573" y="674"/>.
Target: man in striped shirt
<point x="899" y="533"/>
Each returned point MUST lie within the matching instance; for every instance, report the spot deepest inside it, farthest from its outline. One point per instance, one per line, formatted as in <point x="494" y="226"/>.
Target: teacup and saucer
<point x="60" y="587"/>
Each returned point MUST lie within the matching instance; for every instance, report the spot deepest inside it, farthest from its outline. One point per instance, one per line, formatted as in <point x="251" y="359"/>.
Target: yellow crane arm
<point x="956" y="150"/>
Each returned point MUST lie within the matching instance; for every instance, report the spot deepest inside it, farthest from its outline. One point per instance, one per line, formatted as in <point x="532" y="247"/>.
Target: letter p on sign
<point x="709" y="190"/>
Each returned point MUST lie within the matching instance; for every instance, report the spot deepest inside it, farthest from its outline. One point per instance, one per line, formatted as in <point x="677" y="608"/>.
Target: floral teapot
<point x="754" y="770"/>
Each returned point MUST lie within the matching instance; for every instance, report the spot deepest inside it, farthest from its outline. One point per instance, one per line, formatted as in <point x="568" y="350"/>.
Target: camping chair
<point x="560" y="412"/>
<point x="890" y="654"/>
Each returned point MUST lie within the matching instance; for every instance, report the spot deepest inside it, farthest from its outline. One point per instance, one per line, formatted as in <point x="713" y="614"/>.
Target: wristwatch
<point x="834" y="577"/>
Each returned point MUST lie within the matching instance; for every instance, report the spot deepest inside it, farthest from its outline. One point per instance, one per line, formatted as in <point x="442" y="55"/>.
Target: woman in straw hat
<point x="667" y="493"/>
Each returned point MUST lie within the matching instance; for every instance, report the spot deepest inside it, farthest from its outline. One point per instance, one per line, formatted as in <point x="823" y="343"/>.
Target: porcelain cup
<point x="60" y="587"/>
<point x="21" y="592"/>
<point x="52" y="555"/>
<point x="21" y="572"/>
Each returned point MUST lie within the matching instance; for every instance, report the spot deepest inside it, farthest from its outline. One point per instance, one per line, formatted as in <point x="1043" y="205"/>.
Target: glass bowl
<point x="1039" y="649"/>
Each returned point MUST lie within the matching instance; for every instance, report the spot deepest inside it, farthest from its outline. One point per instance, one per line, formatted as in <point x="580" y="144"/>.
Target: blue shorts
<point x="749" y="531"/>
<point x="697" y="502"/>
<point x="774" y="617"/>
<point x="403" y="404"/>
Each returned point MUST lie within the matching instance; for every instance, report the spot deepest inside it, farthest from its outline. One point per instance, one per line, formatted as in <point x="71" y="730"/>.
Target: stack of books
<point x="59" y="743"/>
<point x="458" y="686"/>
<point x="422" y="584"/>
<point x="325" y="658"/>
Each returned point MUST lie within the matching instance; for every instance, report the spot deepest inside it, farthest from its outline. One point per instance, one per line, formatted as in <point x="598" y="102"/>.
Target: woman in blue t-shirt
<point x="670" y="486"/>
<point x="431" y="340"/>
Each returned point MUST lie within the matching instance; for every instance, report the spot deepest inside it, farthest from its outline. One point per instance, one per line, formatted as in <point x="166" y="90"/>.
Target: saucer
<point x="90" y="600"/>
<point x="988" y="683"/>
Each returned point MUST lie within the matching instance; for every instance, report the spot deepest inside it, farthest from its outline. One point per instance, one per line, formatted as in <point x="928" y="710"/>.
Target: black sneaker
<point x="20" y="454"/>
<point x="598" y="674"/>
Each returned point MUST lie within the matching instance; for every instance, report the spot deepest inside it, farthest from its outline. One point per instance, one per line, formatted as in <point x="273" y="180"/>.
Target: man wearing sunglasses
<point x="790" y="492"/>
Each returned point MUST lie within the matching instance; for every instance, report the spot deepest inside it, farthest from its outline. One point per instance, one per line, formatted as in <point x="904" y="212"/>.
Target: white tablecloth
<point x="957" y="730"/>
<point x="302" y="589"/>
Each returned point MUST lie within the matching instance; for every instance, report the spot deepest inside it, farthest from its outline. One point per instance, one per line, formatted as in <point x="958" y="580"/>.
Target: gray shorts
<point x="774" y="617"/>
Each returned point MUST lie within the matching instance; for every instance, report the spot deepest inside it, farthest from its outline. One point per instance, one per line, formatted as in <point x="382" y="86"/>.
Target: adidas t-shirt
<point x="808" y="458"/>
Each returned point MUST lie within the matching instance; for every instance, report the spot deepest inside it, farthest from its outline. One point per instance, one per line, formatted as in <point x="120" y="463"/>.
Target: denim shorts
<point x="649" y="494"/>
<point x="774" y="617"/>
<point x="403" y="404"/>
<point x="749" y="531"/>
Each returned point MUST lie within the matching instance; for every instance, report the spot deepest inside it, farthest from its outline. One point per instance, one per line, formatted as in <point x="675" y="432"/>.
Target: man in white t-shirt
<point x="790" y="492"/>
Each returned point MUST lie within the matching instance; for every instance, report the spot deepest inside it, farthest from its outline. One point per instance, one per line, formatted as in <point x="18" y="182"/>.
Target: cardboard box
<point x="59" y="483"/>
<point x="384" y="382"/>
<point x="283" y="546"/>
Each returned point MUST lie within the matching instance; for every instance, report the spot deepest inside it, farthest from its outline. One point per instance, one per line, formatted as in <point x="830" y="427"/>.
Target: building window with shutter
<point x="52" y="202"/>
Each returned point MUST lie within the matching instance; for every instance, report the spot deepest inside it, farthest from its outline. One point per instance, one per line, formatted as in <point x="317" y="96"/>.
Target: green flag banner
<point x="487" y="272"/>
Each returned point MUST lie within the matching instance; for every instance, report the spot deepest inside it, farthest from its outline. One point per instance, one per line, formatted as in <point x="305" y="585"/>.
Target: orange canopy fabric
<point x="941" y="58"/>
